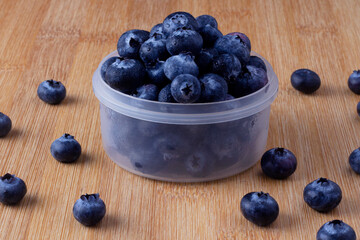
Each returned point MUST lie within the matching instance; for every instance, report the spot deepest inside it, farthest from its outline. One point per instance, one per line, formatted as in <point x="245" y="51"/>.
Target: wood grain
<point x="66" y="40"/>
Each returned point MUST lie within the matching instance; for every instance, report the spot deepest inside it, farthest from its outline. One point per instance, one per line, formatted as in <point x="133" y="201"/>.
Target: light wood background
<point x="65" y="40"/>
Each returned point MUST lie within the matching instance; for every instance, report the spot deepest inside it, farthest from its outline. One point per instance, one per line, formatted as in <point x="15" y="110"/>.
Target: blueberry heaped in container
<point x="198" y="128"/>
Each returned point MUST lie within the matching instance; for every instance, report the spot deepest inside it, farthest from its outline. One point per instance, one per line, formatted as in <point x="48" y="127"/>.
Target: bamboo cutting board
<point x="65" y="40"/>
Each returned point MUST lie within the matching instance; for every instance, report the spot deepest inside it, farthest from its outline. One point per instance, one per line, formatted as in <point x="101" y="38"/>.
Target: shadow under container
<point x="184" y="142"/>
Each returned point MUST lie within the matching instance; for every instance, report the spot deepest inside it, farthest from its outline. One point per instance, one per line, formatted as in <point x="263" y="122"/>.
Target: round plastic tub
<point x="184" y="142"/>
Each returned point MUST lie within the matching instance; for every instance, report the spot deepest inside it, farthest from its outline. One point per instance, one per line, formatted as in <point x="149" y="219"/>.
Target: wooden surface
<point x="65" y="40"/>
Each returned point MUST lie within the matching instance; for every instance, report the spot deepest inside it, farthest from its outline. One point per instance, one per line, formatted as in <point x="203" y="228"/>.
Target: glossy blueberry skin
<point x="180" y="64"/>
<point x="89" y="209"/>
<point x="228" y="66"/>
<point x="305" y="81"/>
<point x="234" y="45"/>
<point x="354" y="160"/>
<point x="214" y="88"/>
<point x="186" y="88"/>
<point x="125" y="75"/>
<point x="204" y="20"/>
<point x="243" y="38"/>
<point x="323" y="195"/>
<point x="165" y="95"/>
<point x="5" y="125"/>
<point x="65" y="149"/>
<point x="259" y="208"/>
<point x="354" y="82"/>
<point x="106" y="64"/>
<point x="51" y="91"/>
<point x="130" y="42"/>
<point x="209" y="35"/>
<point x="153" y="49"/>
<point x="250" y="80"/>
<point x="257" y="62"/>
<point x="158" y="30"/>
<point x="156" y="74"/>
<point x="184" y="40"/>
<point x="205" y="58"/>
<point x="179" y="20"/>
<point x="278" y="163"/>
<point x="336" y="230"/>
<point x="12" y="189"/>
<point x="147" y="91"/>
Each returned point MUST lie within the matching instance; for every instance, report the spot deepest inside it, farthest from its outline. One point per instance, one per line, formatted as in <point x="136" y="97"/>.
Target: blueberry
<point x="323" y="195"/>
<point x="354" y="82"/>
<point x="214" y="88"/>
<point x="234" y="45"/>
<point x="209" y="35"/>
<point x="205" y="58"/>
<point x="305" y="81"/>
<point x="51" y="91"/>
<point x="229" y="97"/>
<point x="12" y="189"/>
<point x="243" y="38"/>
<point x="129" y="43"/>
<point x="184" y="40"/>
<point x="203" y="20"/>
<point x="165" y="95"/>
<point x="153" y="49"/>
<point x="358" y="108"/>
<point x="259" y="208"/>
<point x="65" y="149"/>
<point x="199" y="163"/>
<point x="179" y="20"/>
<point x="105" y="65"/>
<point x="5" y="125"/>
<point x="180" y="64"/>
<point x="228" y="66"/>
<point x="158" y="30"/>
<point x="354" y="160"/>
<point x="185" y="88"/>
<point x="147" y="91"/>
<point x="278" y="163"/>
<point x="156" y="74"/>
<point x="250" y="80"/>
<point x="336" y="230"/>
<point x="146" y="159"/>
<point x="257" y="62"/>
<point x="125" y="75"/>
<point x="89" y="209"/>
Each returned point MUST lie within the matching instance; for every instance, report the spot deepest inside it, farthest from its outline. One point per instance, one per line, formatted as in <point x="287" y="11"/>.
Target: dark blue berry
<point x="158" y="30"/>
<point x="354" y="160"/>
<point x="336" y="230"/>
<point x="259" y="208"/>
<point x="358" y="108"/>
<point x="205" y="58"/>
<point x="125" y="75"/>
<point x="165" y="95"/>
<point x="156" y="74"/>
<point x="323" y="195"/>
<point x="214" y="88"/>
<point x="234" y="45"/>
<point x="153" y="49"/>
<point x="203" y="20"/>
<point x="106" y="64"/>
<point x="5" y="125"/>
<point x="89" y="209"/>
<point x="51" y="91"/>
<point x="12" y="189"/>
<point x="209" y="35"/>
<point x="65" y="149"/>
<point x="147" y="91"/>
<point x="185" y="88"/>
<point x="130" y="42"/>
<point x="354" y="82"/>
<point x="257" y="62"/>
<point x="179" y="20"/>
<point x="278" y="163"/>
<point x="243" y="38"/>
<point x="199" y="163"/>
<point x="305" y="81"/>
<point x="184" y="40"/>
<point x="146" y="159"/>
<point x="180" y="64"/>
<point x="250" y="80"/>
<point x="228" y="66"/>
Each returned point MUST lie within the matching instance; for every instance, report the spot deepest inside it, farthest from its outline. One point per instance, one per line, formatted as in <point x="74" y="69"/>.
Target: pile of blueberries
<point x="184" y="60"/>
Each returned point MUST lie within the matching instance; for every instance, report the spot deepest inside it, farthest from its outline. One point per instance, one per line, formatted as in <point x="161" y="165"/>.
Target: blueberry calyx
<point x="88" y="197"/>
<point x="261" y="193"/>
<point x="68" y="136"/>
<point x="336" y="222"/>
<point x="52" y="82"/>
<point x="322" y="180"/>
<point x="8" y="177"/>
<point x="279" y="151"/>
<point x="187" y="89"/>
<point x="134" y="43"/>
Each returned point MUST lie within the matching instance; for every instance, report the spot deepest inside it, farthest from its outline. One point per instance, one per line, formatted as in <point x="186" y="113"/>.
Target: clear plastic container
<point x="184" y="142"/>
